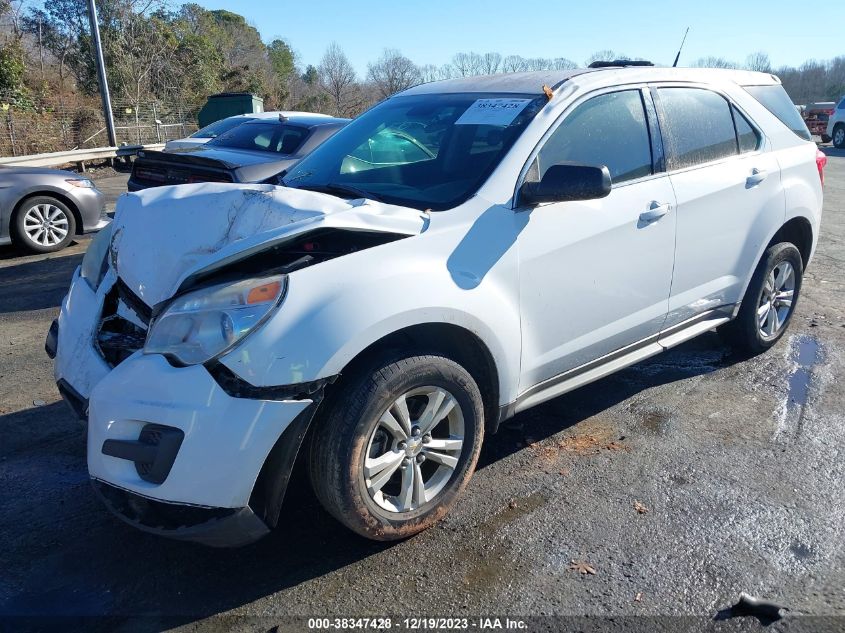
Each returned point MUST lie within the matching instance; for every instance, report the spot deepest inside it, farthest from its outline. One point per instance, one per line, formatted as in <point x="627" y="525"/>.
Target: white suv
<point x="836" y="126"/>
<point x="461" y="252"/>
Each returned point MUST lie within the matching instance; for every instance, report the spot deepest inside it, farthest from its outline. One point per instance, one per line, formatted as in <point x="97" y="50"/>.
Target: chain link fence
<point x="55" y="124"/>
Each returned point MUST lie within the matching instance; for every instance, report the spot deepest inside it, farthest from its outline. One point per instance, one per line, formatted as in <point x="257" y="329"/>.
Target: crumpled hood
<point x="160" y="236"/>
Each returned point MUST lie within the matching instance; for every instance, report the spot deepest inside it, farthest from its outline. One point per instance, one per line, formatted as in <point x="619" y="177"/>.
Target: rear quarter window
<point x="776" y="101"/>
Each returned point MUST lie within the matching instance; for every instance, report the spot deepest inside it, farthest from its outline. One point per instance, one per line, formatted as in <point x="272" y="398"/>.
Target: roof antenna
<point x="681" y="48"/>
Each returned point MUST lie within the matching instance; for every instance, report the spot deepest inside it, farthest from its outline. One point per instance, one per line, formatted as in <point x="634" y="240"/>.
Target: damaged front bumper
<point x="170" y="450"/>
<point x="215" y="527"/>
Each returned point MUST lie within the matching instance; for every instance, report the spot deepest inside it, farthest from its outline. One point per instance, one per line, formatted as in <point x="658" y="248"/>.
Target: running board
<point x="621" y="358"/>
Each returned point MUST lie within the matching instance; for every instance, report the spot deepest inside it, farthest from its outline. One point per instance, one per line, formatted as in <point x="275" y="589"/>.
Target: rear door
<point x="729" y="197"/>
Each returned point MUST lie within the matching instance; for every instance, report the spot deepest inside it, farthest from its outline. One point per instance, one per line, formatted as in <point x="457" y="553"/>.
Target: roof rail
<point x="619" y="62"/>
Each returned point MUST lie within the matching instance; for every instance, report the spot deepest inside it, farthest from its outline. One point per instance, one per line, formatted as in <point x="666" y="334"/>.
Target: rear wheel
<point x="397" y="446"/>
<point x="839" y="136"/>
<point x="769" y="301"/>
<point x="43" y="225"/>
<point x="825" y="138"/>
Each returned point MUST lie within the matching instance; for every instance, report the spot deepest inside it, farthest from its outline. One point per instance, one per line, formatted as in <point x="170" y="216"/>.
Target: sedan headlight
<point x="203" y="324"/>
<point x="95" y="262"/>
<point x="82" y="183"/>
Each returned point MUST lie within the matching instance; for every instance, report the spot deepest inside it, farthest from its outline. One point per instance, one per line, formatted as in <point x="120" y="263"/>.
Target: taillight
<point x="821" y="161"/>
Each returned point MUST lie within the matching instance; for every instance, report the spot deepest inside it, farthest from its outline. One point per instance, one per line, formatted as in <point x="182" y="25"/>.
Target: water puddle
<point x="808" y="355"/>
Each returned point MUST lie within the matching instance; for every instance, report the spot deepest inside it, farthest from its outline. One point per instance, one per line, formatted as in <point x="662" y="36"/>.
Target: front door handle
<point x="656" y="211"/>
<point x="757" y="176"/>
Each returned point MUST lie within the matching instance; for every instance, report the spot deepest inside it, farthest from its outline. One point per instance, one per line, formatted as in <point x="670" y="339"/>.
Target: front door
<point x="595" y="276"/>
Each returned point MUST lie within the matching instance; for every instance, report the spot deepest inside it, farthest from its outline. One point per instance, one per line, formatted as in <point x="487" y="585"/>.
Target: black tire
<point x="62" y="216"/>
<point x="744" y="332"/>
<point x="839" y="136"/>
<point x="341" y="443"/>
<point x="825" y="138"/>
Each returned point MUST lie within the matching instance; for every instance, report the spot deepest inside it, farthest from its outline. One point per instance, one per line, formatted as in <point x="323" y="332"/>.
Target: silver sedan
<point x="41" y="210"/>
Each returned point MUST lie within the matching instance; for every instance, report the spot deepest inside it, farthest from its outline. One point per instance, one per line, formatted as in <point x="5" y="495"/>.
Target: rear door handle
<point x="757" y="176"/>
<point x="656" y="211"/>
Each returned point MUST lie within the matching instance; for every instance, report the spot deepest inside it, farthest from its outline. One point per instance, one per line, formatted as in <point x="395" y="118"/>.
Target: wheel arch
<point x="49" y="193"/>
<point x="451" y="341"/>
<point x="797" y="231"/>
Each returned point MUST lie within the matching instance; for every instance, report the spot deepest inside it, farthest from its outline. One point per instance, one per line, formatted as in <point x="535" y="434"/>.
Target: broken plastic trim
<point x="237" y="387"/>
<point x="215" y="527"/>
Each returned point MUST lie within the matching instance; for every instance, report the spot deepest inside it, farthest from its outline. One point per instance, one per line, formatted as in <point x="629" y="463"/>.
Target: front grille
<point x="118" y="337"/>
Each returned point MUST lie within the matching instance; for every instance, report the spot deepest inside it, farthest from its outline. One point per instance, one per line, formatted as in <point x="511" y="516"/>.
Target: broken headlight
<point x="95" y="264"/>
<point x="204" y="323"/>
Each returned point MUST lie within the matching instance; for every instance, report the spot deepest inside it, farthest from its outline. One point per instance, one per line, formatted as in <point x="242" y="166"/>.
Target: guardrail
<point x="78" y="156"/>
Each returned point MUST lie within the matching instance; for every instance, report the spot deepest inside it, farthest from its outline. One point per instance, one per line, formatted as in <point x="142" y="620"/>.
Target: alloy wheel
<point x="414" y="449"/>
<point x="839" y="136"/>
<point x="45" y="224"/>
<point x="776" y="300"/>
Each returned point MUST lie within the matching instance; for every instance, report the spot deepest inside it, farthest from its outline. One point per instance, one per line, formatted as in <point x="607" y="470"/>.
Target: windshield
<point x="218" y="127"/>
<point x="424" y="151"/>
<point x="270" y="136"/>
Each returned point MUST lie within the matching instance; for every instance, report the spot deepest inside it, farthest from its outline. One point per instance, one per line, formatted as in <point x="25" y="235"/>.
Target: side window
<point x="746" y="135"/>
<point x="697" y="126"/>
<point x="609" y="130"/>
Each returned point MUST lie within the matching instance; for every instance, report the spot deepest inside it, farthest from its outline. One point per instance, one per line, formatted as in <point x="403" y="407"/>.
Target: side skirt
<point x="621" y="358"/>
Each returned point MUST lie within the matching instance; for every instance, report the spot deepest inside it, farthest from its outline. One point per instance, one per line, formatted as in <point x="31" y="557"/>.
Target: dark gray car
<point x="41" y="210"/>
<point x="251" y="152"/>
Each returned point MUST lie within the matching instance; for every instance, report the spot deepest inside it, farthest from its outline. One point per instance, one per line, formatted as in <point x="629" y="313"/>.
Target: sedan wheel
<point x="43" y="225"/>
<point x="46" y="224"/>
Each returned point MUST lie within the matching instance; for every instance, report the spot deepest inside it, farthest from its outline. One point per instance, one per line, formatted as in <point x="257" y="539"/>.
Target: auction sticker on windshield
<point x="492" y="112"/>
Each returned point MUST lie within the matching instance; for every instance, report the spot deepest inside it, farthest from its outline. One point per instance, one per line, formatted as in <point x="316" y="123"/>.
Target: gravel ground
<point x="680" y="482"/>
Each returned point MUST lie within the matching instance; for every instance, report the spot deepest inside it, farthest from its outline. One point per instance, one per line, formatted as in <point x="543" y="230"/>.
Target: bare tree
<point x="393" y="72"/>
<point x="513" y="64"/>
<point x="562" y="63"/>
<point x="490" y="63"/>
<point x="338" y="78"/>
<point x="606" y="55"/>
<point x="428" y="73"/>
<point x="713" y="62"/>
<point x="467" y="64"/>
<point x="759" y="61"/>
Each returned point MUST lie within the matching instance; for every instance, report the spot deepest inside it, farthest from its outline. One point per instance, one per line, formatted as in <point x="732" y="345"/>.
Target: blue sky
<point x="431" y="32"/>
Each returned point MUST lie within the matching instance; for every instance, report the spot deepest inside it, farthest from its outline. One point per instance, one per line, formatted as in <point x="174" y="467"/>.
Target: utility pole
<point x="101" y="72"/>
<point x="40" y="51"/>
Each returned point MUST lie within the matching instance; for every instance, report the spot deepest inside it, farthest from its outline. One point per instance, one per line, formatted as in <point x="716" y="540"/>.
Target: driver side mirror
<point x="566" y="182"/>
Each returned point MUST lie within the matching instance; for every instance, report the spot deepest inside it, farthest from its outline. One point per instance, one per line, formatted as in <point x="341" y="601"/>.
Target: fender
<point x="335" y="310"/>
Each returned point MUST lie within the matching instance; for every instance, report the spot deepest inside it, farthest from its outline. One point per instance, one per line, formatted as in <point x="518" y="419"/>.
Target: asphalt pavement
<point x="647" y="500"/>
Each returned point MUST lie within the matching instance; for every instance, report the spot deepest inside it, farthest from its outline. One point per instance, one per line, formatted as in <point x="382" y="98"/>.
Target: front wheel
<point x="397" y="446"/>
<point x="43" y="225"/>
<point x="769" y="301"/>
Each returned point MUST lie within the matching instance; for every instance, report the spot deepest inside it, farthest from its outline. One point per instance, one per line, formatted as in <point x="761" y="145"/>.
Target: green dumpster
<point x="227" y="104"/>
